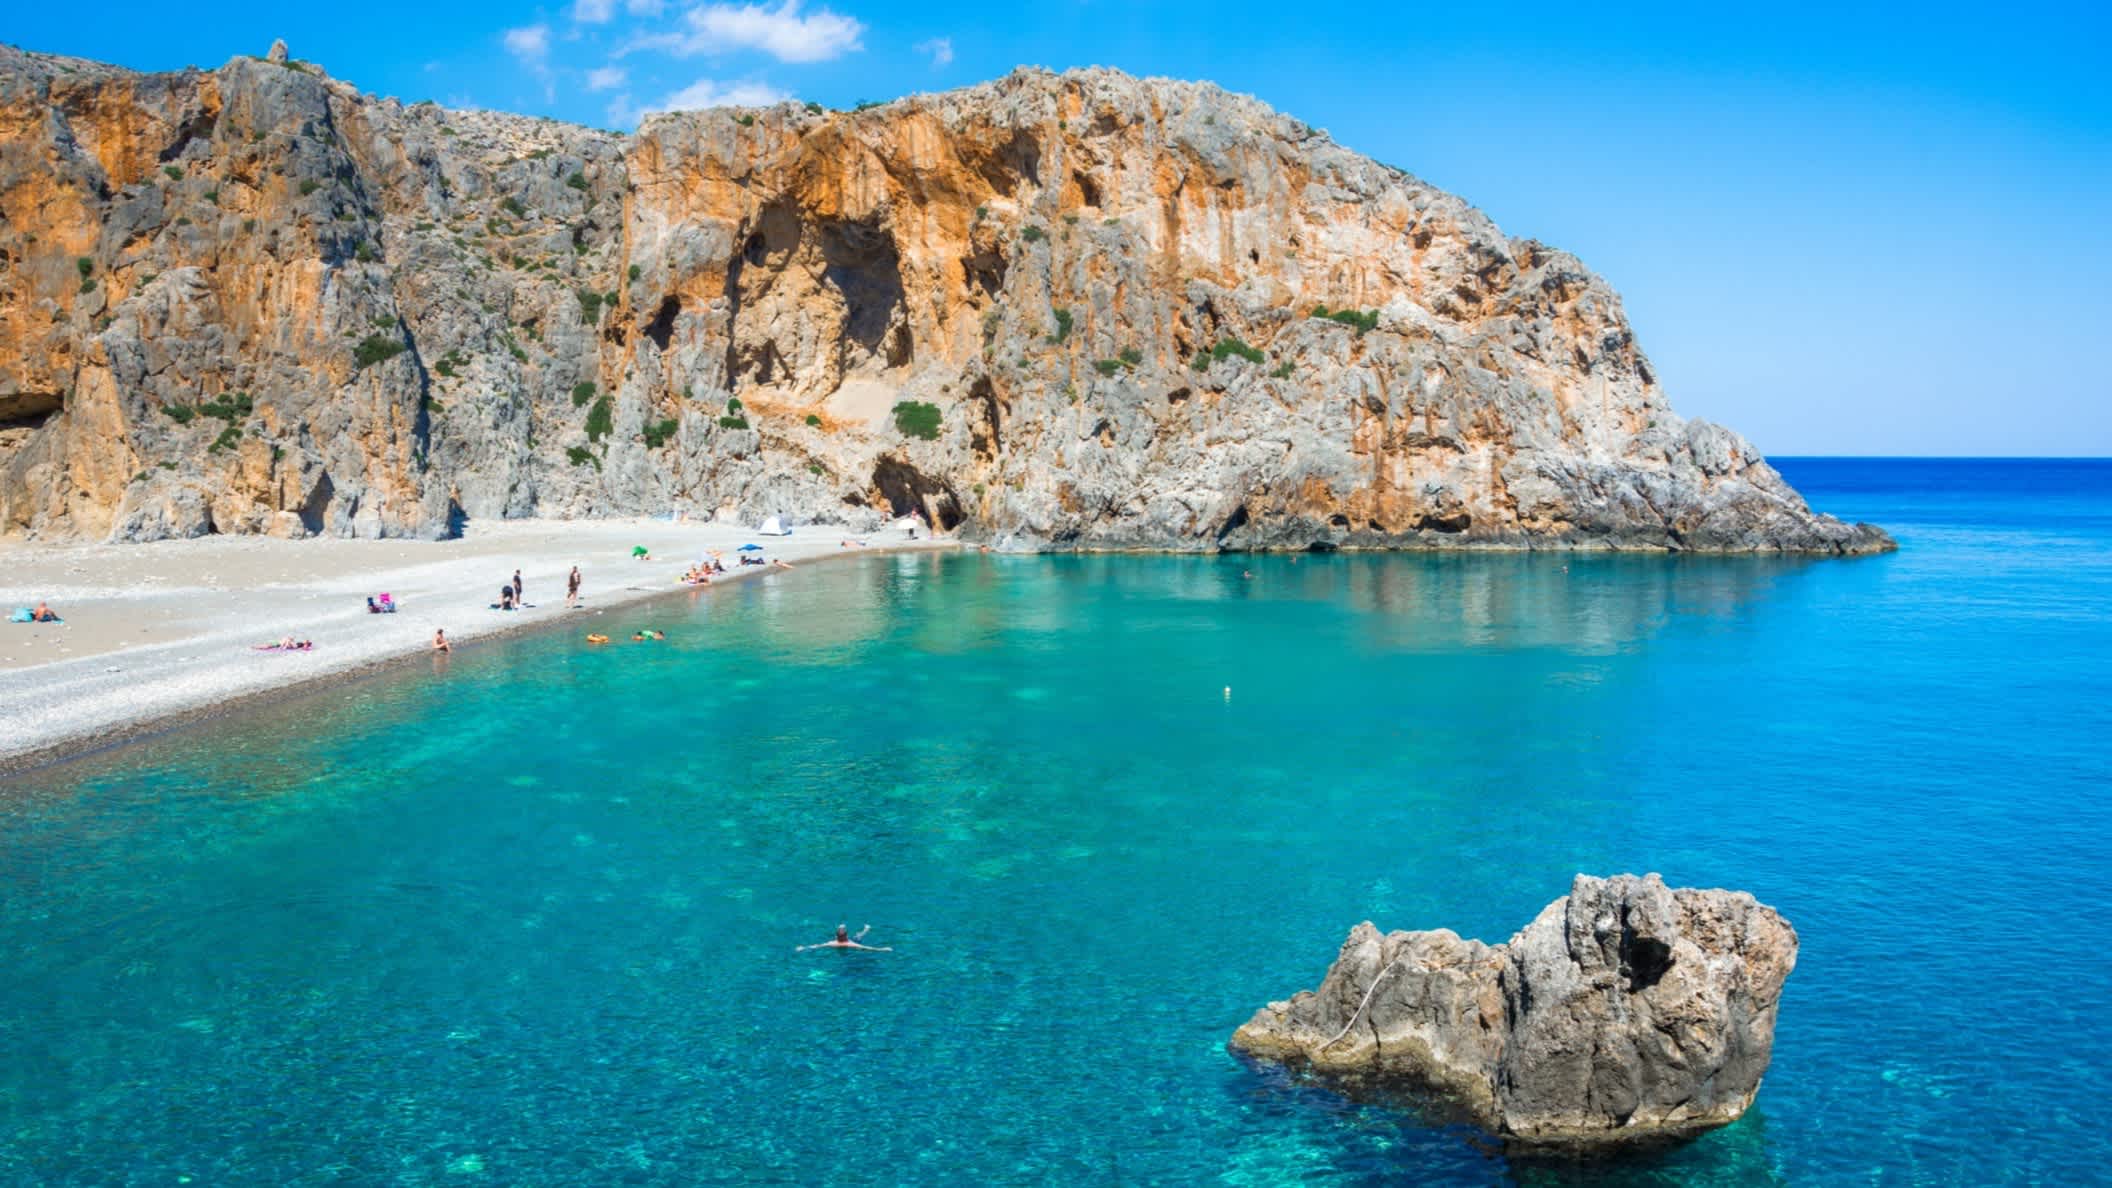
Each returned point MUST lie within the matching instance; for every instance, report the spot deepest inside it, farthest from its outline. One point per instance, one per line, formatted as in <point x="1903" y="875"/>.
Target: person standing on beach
<point x="572" y="587"/>
<point x="518" y="600"/>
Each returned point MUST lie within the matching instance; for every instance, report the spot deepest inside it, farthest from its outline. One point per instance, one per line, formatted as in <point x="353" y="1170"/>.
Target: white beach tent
<point x="774" y="526"/>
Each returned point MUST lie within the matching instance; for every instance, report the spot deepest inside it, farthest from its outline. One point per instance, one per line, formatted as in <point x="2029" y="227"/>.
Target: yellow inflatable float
<point x="597" y="639"/>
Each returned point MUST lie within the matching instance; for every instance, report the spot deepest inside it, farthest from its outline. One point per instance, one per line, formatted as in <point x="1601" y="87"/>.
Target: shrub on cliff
<point x="1226" y="348"/>
<point x="374" y="348"/>
<point x="918" y="419"/>
<point x="582" y="392"/>
<point x="1063" y="326"/>
<point x="658" y="434"/>
<point x="601" y="419"/>
<point x="1362" y="321"/>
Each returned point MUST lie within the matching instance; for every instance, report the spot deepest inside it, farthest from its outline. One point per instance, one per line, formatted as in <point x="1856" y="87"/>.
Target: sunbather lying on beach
<point x="844" y="940"/>
<point x="43" y="614"/>
<point x="288" y="644"/>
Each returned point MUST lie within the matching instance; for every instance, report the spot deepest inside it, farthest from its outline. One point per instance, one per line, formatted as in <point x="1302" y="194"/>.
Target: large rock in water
<point x="1627" y="1012"/>
<point x="252" y="299"/>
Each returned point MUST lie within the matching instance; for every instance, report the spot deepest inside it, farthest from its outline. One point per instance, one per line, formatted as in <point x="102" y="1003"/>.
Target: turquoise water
<point x="528" y="916"/>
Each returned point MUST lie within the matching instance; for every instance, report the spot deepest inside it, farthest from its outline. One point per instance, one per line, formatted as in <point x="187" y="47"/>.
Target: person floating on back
<point x="844" y="940"/>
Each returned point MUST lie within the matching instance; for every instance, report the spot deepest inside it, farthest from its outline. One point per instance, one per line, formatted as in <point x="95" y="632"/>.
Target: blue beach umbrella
<point x="749" y="548"/>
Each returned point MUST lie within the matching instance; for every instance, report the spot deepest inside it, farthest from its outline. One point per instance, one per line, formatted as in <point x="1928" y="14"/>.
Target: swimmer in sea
<point x="844" y="940"/>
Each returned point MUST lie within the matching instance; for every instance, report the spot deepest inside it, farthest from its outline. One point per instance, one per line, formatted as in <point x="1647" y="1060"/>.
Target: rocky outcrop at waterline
<point x="1627" y="1012"/>
<point x="1075" y="310"/>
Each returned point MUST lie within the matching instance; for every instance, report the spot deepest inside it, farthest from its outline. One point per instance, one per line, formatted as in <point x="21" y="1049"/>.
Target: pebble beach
<point x="167" y="630"/>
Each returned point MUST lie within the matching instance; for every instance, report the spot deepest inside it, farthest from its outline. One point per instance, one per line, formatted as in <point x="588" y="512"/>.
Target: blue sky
<point x="1839" y="228"/>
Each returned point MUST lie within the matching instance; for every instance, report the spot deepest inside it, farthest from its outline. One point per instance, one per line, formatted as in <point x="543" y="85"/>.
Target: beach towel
<point x="22" y="615"/>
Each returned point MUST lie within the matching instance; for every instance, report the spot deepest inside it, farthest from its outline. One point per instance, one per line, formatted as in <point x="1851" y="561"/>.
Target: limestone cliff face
<point x="253" y="300"/>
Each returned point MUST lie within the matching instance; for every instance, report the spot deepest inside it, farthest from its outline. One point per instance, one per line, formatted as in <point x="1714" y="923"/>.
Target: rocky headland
<point x="1076" y="310"/>
<point x="1626" y="1013"/>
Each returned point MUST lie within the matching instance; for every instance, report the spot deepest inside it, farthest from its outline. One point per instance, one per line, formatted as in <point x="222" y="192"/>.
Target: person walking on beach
<point x="440" y="643"/>
<point x="518" y="600"/>
<point x="844" y="940"/>
<point x="572" y="587"/>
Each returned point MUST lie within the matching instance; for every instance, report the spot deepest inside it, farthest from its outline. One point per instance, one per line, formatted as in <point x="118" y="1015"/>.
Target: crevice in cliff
<point x="986" y="437"/>
<point x="1233" y="523"/>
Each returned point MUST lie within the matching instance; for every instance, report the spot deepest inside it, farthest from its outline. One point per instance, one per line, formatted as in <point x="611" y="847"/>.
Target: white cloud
<point x="530" y="43"/>
<point x="781" y="32"/>
<point x="606" y="78"/>
<point x="940" y="50"/>
<point x="644" y="7"/>
<point x="593" y="12"/>
<point x="707" y="92"/>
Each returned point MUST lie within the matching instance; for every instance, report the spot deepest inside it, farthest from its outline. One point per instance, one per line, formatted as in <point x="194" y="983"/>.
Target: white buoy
<point x="1228" y="692"/>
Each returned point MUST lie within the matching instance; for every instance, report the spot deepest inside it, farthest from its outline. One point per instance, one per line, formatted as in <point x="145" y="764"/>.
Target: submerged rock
<point x="1626" y="1012"/>
<point x="1123" y="313"/>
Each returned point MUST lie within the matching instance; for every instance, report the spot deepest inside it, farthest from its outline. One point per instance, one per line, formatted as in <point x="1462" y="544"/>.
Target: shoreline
<point x="195" y="665"/>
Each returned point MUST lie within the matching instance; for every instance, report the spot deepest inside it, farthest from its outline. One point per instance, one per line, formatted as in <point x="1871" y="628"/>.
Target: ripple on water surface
<point x="532" y="920"/>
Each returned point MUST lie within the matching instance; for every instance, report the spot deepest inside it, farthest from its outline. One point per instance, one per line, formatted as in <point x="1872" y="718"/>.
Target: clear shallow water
<point x="528" y="918"/>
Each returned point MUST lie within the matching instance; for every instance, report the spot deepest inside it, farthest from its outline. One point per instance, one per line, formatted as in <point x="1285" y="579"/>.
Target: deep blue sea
<point x="528" y="916"/>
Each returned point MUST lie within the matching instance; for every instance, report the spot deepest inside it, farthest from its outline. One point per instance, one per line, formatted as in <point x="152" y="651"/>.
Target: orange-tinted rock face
<point x="252" y="300"/>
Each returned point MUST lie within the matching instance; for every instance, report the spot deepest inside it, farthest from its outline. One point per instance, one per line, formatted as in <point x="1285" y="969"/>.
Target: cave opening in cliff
<point x="861" y="262"/>
<point x="1017" y="160"/>
<point x="662" y="328"/>
<point x="1233" y="523"/>
<point x="1088" y="192"/>
<point x="986" y="271"/>
<point x="907" y="489"/>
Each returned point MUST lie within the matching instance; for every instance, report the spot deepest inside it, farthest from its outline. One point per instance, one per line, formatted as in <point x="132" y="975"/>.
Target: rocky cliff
<point x="1111" y="313"/>
<point x="1625" y="1012"/>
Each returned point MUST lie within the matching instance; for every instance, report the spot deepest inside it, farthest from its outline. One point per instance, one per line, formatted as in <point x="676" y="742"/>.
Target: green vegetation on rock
<point x="601" y="419"/>
<point x="915" y="418"/>
<point x="1362" y="321"/>
<point x="1226" y="348"/>
<point x="374" y="348"/>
